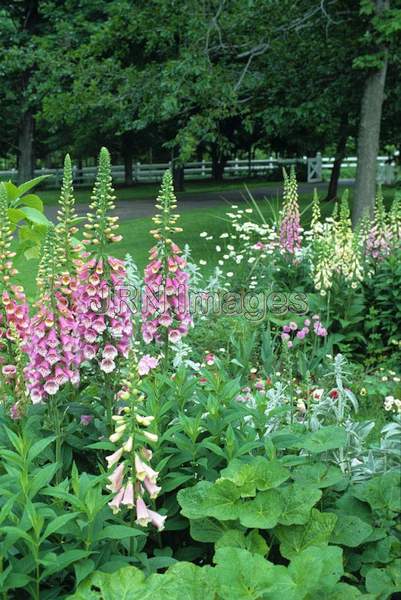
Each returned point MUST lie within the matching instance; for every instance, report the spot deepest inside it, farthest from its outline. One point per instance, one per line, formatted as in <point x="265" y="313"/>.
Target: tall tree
<point x="371" y="114"/>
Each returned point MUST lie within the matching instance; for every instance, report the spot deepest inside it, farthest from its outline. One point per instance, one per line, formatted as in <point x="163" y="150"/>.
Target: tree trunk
<point x="128" y="164"/>
<point x="338" y="159"/>
<point x="178" y="177"/>
<point x="218" y="164"/>
<point x="25" y="148"/>
<point x="369" y="136"/>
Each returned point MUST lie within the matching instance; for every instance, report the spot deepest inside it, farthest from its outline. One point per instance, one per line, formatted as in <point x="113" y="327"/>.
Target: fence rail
<point x="316" y="167"/>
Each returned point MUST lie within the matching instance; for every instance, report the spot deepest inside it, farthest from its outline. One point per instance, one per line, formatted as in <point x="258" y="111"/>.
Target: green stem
<point x="58" y="432"/>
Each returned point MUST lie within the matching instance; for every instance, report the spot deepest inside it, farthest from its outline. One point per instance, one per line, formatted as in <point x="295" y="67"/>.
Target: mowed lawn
<point x="137" y="241"/>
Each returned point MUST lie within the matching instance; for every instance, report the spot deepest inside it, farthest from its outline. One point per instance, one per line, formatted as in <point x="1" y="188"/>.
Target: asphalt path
<point x="137" y="209"/>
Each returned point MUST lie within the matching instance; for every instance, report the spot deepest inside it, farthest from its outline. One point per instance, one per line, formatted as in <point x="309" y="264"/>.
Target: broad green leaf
<point x="207" y="530"/>
<point x="34" y="215"/>
<point x="317" y="568"/>
<point x="263" y="511"/>
<point x="28" y="185"/>
<point x="319" y="474"/>
<point x="244" y="576"/>
<point x="16" y="215"/>
<point x="222" y="500"/>
<point x="350" y="531"/>
<point x="33" y="201"/>
<point x="259" y="474"/>
<point x="382" y="492"/>
<point x="297" y="502"/>
<point x="235" y="538"/>
<point x="385" y="582"/>
<point x="192" y="500"/>
<point x="327" y="438"/>
<point x="182" y="580"/>
<point x="316" y="532"/>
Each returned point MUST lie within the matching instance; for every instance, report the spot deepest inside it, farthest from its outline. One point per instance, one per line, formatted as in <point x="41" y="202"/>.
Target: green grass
<point x="137" y="240"/>
<point x="142" y="191"/>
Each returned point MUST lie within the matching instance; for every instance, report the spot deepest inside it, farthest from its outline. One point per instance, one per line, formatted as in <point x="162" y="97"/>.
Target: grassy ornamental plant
<point x="245" y="452"/>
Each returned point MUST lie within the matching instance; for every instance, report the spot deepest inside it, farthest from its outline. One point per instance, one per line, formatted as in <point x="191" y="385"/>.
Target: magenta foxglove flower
<point x="147" y="363"/>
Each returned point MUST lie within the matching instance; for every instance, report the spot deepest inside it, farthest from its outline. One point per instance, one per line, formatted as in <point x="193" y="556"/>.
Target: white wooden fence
<point x="317" y="170"/>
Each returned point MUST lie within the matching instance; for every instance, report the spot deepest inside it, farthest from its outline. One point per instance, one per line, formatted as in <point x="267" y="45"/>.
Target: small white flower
<point x="218" y="248"/>
<point x="224" y="235"/>
<point x="249" y="210"/>
<point x="230" y="274"/>
<point x="202" y="262"/>
<point x="203" y="234"/>
<point x="251" y="259"/>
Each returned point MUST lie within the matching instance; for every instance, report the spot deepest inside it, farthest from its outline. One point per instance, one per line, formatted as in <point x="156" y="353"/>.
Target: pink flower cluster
<point x="15" y="315"/>
<point x="53" y="349"/>
<point x="130" y="493"/>
<point x="165" y="302"/>
<point x="292" y="331"/>
<point x="290" y="231"/>
<point x="104" y="323"/>
<point x="378" y="243"/>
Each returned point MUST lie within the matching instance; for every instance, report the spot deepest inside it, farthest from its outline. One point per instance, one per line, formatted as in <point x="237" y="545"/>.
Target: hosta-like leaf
<point x="263" y="511"/>
<point x="222" y="500"/>
<point x="327" y="438"/>
<point x="382" y="493"/>
<point x="317" y="531"/>
<point x="320" y="474"/>
<point x="253" y="542"/>
<point x="245" y="576"/>
<point x="350" y="531"/>
<point x="297" y="502"/>
<point x="192" y="500"/>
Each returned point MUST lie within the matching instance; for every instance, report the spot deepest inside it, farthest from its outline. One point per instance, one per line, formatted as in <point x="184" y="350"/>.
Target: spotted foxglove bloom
<point x="378" y="243"/>
<point x="103" y="317"/>
<point x="165" y="303"/>
<point x="290" y="226"/>
<point x="53" y="347"/>
<point x="131" y="478"/>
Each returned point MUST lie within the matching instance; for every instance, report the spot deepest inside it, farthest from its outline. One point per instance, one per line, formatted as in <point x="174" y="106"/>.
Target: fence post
<point x="315" y="168"/>
<point x="203" y="173"/>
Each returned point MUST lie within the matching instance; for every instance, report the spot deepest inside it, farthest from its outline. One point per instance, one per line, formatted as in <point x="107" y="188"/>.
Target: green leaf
<point x="235" y="538"/>
<point x="121" y="585"/>
<point x="42" y="478"/>
<point x="297" y="502"/>
<point x="28" y="185"/>
<point x="320" y="474"/>
<point x="192" y="500"/>
<point x="16" y="215"/>
<point x="57" y="524"/>
<point x="350" y="531"/>
<point x="118" y="532"/>
<point x="35" y="216"/>
<point x="55" y="563"/>
<point x="385" y="582"/>
<point x="316" y="532"/>
<point x="245" y="576"/>
<point x="83" y="569"/>
<point x="263" y="512"/>
<point x="317" y="569"/>
<point x="38" y="447"/>
<point x="382" y="492"/>
<point x="32" y="201"/>
<point x="259" y="474"/>
<point x="327" y="438"/>
<point x="207" y="530"/>
<point x="222" y="500"/>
